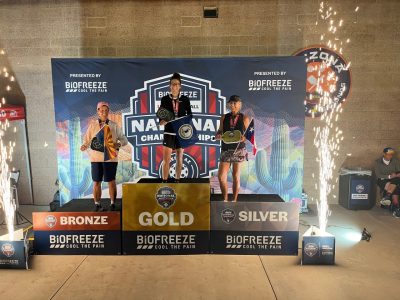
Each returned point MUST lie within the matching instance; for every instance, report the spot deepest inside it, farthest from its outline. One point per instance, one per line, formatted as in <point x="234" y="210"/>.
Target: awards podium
<point x="168" y="219"/>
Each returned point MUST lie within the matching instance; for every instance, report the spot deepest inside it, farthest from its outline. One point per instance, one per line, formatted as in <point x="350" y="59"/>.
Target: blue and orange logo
<point x="142" y="130"/>
<point x="327" y="74"/>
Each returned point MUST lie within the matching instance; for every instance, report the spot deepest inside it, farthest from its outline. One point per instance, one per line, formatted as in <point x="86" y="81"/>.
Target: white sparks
<point x="328" y="136"/>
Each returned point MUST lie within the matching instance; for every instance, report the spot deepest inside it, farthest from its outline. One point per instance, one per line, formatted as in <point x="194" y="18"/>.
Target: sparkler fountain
<point x="327" y="136"/>
<point x="13" y="245"/>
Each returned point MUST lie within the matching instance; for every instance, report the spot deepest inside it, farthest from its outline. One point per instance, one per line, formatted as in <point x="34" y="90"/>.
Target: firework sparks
<point x="7" y="202"/>
<point x="328" y="136"/>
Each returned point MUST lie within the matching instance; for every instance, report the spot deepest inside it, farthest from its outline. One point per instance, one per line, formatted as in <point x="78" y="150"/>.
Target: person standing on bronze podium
<point x="174" y="105"/>
<point x="104" y="138"/>
<point x="231" y="132"/>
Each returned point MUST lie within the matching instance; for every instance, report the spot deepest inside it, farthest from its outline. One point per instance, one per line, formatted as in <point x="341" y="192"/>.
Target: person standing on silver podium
<point x="231" y="132"/>
<point x="178" y="105"/>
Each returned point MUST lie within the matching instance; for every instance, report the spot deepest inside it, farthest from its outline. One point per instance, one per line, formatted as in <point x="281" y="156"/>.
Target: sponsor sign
<point x="254" y="228"/>
<point x="360" y="190"/>
<point x="318" y="250"/>
<point x="13" y="255"/>
<point x="77" y="232"/>
<point x="165" y="218"/>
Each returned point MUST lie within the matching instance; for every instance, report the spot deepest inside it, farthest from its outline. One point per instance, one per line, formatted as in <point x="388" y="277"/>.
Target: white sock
<point x="112" y="201"/>
<point x="97" y="202"/>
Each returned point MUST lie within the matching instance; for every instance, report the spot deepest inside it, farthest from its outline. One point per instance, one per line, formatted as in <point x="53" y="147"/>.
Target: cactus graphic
<point x="78" y="180"/>
<point x="277" y="174"/>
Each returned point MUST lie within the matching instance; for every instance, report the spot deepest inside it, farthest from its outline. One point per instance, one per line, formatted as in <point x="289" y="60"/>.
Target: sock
<point x="97" y="203"/>
<point x="112" y="201"/>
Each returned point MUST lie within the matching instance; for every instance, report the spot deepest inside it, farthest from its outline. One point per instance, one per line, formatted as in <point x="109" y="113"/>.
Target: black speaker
<point x="356" y="192"/>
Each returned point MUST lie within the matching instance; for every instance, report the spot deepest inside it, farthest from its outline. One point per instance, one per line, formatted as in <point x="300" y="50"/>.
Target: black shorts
<point x="171" y="141"/>
<point x="104" y="171"/>
<point x="382" y="183"/>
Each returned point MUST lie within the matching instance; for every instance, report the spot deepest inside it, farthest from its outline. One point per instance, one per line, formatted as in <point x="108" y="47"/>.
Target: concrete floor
<point x="363" y="270"/>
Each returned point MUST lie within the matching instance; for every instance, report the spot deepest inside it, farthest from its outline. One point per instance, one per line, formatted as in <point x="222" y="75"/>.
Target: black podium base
<point x="77" y="205"/>
<point x="250" y="198"/>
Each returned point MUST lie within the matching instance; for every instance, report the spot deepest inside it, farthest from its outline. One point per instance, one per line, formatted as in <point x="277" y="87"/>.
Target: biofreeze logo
<point x="166" y="242"/>
<point x="84" y="220"/>
<point x="86" y="86"/>
<point x="253" y="242"/>
<point x="270" y="84"/>
<point x="77" y="241"/>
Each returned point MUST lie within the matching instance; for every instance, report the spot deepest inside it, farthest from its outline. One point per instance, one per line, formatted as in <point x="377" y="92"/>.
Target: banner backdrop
<point x="272" y="89"/>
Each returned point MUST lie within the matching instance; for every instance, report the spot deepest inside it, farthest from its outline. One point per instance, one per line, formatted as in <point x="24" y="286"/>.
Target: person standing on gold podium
<point x="231" y="132"/>
<point x="177" y="105"/>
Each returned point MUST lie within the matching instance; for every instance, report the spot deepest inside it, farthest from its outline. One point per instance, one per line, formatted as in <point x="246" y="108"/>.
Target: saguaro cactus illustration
<point x="278" y="174"/>
<point x="78" y="179"/>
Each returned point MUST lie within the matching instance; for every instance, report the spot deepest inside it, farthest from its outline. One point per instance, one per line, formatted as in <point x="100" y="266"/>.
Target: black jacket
<point x="183" y="110"/>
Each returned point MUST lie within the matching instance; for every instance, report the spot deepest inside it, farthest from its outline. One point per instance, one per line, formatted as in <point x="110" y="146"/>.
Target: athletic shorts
<point x="233" y="156"/>
<point x="171" y="141"/>
<point x="104" y="171"/>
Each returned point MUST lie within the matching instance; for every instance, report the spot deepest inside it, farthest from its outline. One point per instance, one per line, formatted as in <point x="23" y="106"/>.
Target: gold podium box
<point x="166" y="218"/>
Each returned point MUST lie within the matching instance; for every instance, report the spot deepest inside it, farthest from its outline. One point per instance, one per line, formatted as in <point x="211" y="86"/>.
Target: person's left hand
<point x="243" y="138"/>
<point x="117" y="145"/>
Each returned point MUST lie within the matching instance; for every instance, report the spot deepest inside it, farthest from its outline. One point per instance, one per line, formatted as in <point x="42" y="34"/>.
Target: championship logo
<point x="51" y="221"/>
<point x="360" y="188"/>
<point x="144" y="133"/>
<point x="165" y="197"/>
<point x="327" y="74"/>
<point x="228" y="215"/>
<point x="8" y="249"/>
<point x="310" y="249"/>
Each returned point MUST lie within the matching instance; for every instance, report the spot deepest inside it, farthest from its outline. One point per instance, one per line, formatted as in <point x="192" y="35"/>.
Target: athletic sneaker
<point x="386" y="201"/>
<point x="98" y="208"/>
<point x="396" y="213"/>
<point x="112" y="207"/>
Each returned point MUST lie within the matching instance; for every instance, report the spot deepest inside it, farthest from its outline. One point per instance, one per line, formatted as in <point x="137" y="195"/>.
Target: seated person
<point x="387" y="170"/>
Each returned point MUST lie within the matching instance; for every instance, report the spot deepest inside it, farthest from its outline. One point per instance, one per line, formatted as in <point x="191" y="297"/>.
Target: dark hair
<point x="234" y="98"/>
<point x="176" y="76"/>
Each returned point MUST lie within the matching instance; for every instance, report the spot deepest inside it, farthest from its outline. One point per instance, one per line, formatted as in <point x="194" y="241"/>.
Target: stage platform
<point x="87" y="205"/>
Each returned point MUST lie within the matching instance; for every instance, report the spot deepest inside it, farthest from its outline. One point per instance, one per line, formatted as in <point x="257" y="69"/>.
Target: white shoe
<point x="385" y="202"/>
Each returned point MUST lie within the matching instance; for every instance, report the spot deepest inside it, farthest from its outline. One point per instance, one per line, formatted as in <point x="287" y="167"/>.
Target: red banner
<point x="12" y="113"/>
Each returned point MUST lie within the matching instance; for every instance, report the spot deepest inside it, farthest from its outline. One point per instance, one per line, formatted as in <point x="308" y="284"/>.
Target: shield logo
<point x="8" y="249"/>
<point x="143" y="132"/>
<point x="51" y="221"/>
<point x="310" y="249"/>
<point x="228" y="215"/>
<point x="165" y="197"/>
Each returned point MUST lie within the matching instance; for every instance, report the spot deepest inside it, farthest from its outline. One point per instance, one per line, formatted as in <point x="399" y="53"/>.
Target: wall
<point x="34" y="31"/>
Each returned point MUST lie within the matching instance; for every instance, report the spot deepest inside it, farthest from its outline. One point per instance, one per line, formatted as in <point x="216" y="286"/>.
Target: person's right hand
<point x="83" y="147"/>
<point x="163" y="122"/>
<point x="218" y="137"/>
